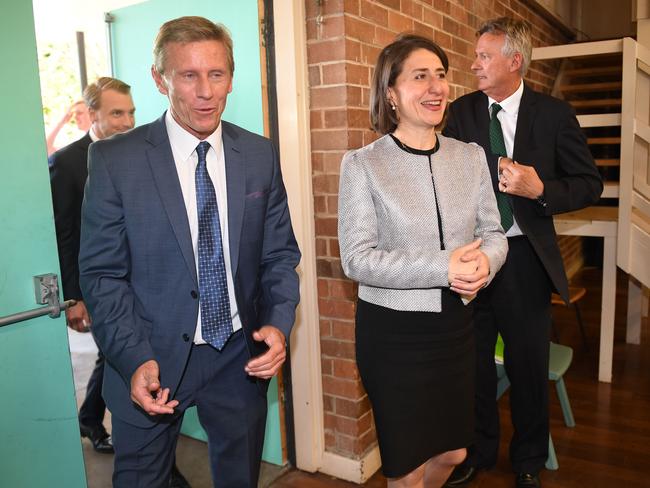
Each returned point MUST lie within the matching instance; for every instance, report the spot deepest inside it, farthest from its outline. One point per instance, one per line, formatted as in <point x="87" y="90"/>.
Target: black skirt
<point x="418" y="370"/>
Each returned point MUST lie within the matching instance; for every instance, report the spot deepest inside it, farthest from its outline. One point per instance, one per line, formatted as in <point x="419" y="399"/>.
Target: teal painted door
<point x="133" y="31"/>
<point x="39" y="432"/>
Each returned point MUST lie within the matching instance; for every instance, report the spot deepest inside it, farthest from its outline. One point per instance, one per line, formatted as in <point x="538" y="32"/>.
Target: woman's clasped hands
<point x="469" y="269"/>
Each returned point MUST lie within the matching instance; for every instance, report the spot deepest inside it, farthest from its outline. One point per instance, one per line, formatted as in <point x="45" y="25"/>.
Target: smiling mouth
<point x="433" y="103"/>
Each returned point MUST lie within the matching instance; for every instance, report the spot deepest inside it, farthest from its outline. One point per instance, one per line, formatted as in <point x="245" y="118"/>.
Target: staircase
<point x="593" y="86"/>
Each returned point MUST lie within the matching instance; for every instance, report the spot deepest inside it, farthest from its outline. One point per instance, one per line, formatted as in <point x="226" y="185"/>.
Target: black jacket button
<point x="194" y="294"/>
<point x="186" y="337"/>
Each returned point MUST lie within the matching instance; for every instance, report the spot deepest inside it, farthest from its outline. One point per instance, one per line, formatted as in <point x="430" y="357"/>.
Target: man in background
<point x="111" y="111"/>
<point x="541" y="166"/>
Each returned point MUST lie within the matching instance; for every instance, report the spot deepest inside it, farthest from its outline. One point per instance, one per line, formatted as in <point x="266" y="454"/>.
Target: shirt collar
<point x="93" y="137"/>
<point x="510" y="105"/>
<point x="184" y="143"/>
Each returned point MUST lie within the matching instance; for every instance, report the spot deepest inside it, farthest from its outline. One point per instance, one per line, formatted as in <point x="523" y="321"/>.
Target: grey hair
<point x="518" y="38"/>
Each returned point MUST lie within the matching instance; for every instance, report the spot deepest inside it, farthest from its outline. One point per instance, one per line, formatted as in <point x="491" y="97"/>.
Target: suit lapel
<point x="527" y="110"/>
<point x="235" y="187"/>
<point x="163" y="168"/>
<point x="482" y="117"/>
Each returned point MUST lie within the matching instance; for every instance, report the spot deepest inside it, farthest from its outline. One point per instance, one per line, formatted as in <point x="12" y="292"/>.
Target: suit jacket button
<point x="186" y="337"/>
<point x="194" y="294"/>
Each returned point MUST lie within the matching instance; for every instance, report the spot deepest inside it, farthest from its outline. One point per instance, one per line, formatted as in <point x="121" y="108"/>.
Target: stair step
<point x="610" y="189"/>
<point x="593" y="71"/>
<point x="599" y="120"/>
<point x="592" y="87"/>
<point x="608" y="162"/>
<point x="603" y="140"/>
<point x="605" y="102"/>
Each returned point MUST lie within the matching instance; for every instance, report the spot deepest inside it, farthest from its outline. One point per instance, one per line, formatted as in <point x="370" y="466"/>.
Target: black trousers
<point x="93" y="408"/>
<point x="517" y="304"/>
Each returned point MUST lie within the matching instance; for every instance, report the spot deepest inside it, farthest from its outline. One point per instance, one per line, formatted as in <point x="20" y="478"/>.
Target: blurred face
<point x="81" y="116"/>
<point x="498" y="76"/>
<point x="115" y="114"/>
<point x="197" y="81"/>
<point x="421" y="91"/>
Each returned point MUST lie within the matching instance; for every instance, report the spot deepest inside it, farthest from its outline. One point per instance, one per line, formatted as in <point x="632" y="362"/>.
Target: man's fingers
<point x="155" y="406"/>
<point x="274" y="355"/>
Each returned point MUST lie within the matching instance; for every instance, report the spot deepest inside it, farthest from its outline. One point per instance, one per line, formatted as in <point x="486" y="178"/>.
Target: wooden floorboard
<point x="610" y="445"/>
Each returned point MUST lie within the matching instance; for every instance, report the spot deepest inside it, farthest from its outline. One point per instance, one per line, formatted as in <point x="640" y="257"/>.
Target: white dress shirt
<point x="508" y="118"/>
<point x="184" y="151"/>
<point x="93" y="136"/>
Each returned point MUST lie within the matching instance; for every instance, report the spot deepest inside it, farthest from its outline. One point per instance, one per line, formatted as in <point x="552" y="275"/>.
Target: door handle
<point x="46" y="291"/>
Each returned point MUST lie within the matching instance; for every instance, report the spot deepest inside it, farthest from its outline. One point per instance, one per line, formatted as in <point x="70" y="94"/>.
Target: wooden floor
<point x="610" y="445"/>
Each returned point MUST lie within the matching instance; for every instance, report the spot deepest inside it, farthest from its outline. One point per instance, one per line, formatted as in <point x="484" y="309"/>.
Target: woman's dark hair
<point x="383" y="118"/>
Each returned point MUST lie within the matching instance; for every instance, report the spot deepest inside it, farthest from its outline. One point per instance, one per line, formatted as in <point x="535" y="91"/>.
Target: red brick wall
<point x="344" y="39"/>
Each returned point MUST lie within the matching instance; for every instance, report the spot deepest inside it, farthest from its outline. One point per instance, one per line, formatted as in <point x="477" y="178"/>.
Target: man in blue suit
<point x="188" y="268"/>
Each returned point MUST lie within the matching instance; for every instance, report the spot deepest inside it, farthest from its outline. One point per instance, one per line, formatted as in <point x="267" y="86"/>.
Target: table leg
<point x="607" y="311"/>
<point x="634" y="304"/>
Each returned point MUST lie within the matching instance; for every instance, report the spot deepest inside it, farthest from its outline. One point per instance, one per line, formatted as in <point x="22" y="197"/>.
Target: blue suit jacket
<point x="137" y="265"/>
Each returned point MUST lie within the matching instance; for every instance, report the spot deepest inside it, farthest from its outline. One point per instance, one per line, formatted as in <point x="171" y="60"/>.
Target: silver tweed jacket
<point x="388" y="226"/>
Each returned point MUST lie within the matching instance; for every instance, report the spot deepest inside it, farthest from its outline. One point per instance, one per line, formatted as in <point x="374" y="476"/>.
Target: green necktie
<point x="498" y="146"/>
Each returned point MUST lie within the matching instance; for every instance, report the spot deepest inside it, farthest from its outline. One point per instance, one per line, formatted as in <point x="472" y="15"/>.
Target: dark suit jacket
<point x="548" y="137"/>
<point x="68" y="173"/>
<point x="138" y="271"/>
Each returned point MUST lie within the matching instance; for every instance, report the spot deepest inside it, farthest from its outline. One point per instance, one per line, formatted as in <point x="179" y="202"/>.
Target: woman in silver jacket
<point x="419" y="230"/>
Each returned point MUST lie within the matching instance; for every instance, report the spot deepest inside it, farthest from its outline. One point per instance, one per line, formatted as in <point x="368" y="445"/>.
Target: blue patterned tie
<point x="216" y="322"/>
<point x="498" y="147"/>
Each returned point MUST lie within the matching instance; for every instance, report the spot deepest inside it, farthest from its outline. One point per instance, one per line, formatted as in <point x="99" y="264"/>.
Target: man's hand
<point x="519" y="179"/>
<point x="77" y="317"/>
<point x="268" y="364"/>
<point x="145" y="383"/>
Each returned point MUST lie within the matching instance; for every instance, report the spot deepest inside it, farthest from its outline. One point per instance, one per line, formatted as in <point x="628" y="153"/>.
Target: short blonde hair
<point x="518" y="38"/>
<point x="92" y="95"/>
<point x="190" y="29"/>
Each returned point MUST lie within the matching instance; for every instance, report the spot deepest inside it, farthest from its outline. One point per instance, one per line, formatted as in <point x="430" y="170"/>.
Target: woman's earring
<point x="392" y="105"/>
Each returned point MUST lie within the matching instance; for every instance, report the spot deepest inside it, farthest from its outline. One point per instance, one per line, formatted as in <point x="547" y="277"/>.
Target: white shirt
<point x="508" y="118"/>
<point x="184" y="151"/>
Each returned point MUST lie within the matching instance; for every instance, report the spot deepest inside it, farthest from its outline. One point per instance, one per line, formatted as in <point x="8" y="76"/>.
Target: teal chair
<point x="560" y="358"/>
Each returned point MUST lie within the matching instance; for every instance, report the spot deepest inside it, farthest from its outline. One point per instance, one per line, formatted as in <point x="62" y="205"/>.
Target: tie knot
<point x="202" y="150"/>
<point x="496" y="108"/>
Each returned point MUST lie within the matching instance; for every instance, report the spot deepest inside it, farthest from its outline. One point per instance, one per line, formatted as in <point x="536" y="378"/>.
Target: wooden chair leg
<point x="582" y="327"/>
<point x="556" y="337"/>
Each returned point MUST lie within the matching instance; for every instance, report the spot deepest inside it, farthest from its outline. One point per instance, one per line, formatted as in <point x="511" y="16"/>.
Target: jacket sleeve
<point x="66" y="202"/>
<point x="280" y="256"/>
<point x="577" y="183"/>
<point x="105" y="264"/>
<point x="488" y="221"/>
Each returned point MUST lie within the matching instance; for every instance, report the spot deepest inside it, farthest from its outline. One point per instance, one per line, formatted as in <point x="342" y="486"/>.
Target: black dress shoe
<point x="100" y="439"/>
<point x="461" y="475"/>
<point x="177" y="480"/>
<point x="527" y="480"/>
